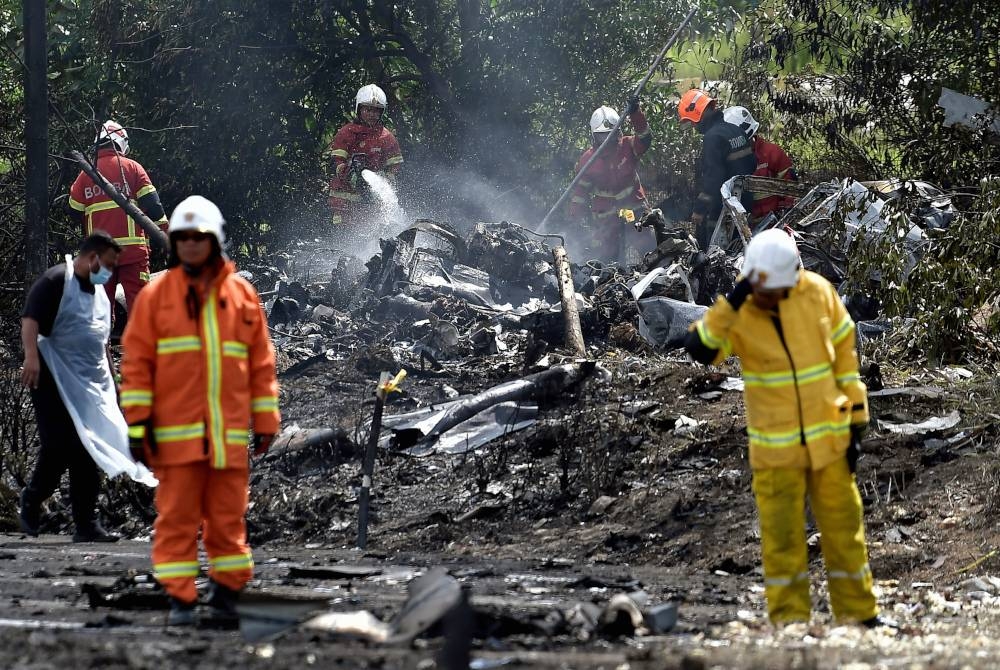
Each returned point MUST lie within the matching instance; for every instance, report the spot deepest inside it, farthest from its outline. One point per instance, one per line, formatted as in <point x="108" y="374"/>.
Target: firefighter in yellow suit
<point x="806" y="410"/>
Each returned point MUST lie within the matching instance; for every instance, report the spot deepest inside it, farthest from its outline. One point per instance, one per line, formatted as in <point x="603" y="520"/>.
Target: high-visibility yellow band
<point x="393" y="160"/>
<point x="340" y="153"/>
<point x="130" y="241"/>
<point x="843" y="329"/>
<point x="235" y="349"/>
<point x="137" y="432"/>
<point x="77" y="205"/>
<point x="237" y="436"/>
<point x="860" y="575"/>
<point x="345" y="195"/>
<point x="787" y="377"/>
<point x="148" y="188"/>
<point x="264" y="404"/>
<point x="180" y="433"/>
<point x="136" y="398"/>
<point x="707" y="338"/>
<point x="176" y="345"/>
<point x="178" y="569"/>
<point x="231" y="563"/>
<point x="620" y="195"/>
<point x="742" y="153"/>
<point x="779" y="440"/>
<point x="101" y="206"/>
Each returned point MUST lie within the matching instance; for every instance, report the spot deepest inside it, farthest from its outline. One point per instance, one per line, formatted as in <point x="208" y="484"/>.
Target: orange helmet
<point x="693" y="105"/>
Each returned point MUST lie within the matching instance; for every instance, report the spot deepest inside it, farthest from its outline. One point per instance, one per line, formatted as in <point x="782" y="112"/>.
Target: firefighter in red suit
<point x="610" y="185"/>
<point x="362" y="144"/>
<point x="772" y="161"/>
<point x="94" y="210"/>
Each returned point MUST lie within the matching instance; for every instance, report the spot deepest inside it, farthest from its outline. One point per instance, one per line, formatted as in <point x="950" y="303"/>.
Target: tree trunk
<point x="36" y="135"/>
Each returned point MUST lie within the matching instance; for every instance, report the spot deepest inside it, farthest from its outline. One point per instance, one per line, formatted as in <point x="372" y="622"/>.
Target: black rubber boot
<point x="222" y="605"/>
<point x="29" y="520"/>
<point x="181" y="613"/>
<point x="879" y="621"/>
<point x="94" y="533"/>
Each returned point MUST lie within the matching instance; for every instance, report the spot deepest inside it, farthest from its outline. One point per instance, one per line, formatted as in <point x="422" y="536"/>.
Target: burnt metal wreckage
<point x="435" y="297"/>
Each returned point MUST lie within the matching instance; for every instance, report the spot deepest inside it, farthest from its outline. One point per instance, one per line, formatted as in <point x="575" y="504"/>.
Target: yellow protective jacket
<point x="803" y="390"/>
<point x="199" y="366"/>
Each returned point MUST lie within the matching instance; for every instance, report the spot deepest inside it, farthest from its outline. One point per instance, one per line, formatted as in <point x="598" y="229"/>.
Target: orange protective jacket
<point x="199" y="367"/>
<point x="101" y="213"/>
<point x="382" y="155"/>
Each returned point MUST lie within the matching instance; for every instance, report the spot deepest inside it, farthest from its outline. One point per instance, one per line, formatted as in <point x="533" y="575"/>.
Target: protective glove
<point x="261" y="443"/>
<point x="137" y="442"/>
<point x="739" y="294"/>
<point x="632" y="106"/>
<point x="854" y="449"/>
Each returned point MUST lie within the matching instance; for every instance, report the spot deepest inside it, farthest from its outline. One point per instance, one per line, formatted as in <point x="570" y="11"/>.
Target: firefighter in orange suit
<point x="96" y="211"/>
<point x="198" y="372"/>
<point x="363" y="144"/>
<point x="806" y="411"/>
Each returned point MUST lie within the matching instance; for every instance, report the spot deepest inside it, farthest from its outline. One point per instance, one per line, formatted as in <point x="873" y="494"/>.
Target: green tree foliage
<point x="863" y="78"/>
<point x="237" y="100"/>
<point x="855" y="84"/>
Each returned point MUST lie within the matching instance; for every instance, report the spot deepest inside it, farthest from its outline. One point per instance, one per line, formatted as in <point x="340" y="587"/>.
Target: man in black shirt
<point x="724" y="154"/>
<point x="61" y="446"/>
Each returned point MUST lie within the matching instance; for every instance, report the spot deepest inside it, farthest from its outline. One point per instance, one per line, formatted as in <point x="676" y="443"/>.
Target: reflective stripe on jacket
<point x="101" y="213"/>
<point x="199" y="377"/>
<point x="382" y="155"/>
<point x="612" y="183"/>
<point x="803" y="390"/>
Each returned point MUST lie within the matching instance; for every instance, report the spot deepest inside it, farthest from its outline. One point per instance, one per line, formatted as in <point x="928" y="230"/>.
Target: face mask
<point x="101" y="276"/>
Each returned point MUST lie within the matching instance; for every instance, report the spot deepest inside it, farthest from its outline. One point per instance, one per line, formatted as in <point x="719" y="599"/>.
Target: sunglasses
<point x="190" y="235"/>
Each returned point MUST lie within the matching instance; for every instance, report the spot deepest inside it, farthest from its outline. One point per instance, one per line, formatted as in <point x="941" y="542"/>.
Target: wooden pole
<point x="567" y="296"/>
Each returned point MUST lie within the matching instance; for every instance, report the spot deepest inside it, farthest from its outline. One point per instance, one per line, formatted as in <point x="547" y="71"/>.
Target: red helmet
<point x="693" y="105"/>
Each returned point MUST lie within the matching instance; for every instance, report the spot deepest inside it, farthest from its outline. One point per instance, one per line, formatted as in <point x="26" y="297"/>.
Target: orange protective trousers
<point x="192" y="496"/>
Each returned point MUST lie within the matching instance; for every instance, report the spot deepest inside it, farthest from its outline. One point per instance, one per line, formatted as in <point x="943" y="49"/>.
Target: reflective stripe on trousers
<point x="836" y="504"/>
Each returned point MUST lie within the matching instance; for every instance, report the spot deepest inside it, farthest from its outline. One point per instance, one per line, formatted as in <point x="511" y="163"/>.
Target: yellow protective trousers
<point x="836" y="504"/>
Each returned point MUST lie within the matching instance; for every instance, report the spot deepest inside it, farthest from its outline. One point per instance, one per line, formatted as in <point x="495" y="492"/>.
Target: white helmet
<point x="773" y="259"/>
<point x="603" y="120"/>
<point x="741" y="116"/>
<point x="199" y="214"/>
<point x="111" y="132"/>
<point x="370" y="95"/>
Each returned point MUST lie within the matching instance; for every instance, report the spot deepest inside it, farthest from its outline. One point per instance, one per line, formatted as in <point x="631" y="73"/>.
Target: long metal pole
<point x="614" y="131"/>
<point x="386" y="385"/>
<point x="36" y="140"/>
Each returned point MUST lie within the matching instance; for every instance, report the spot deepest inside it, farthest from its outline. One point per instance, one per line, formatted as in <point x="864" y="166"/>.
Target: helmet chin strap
<point x="193" y="270"/>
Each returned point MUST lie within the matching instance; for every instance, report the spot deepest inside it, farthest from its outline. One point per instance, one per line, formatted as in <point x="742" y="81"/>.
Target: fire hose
<point x="614" y="131"/>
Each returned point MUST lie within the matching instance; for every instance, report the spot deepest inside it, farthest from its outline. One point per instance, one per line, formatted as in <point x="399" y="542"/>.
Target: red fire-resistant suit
<point x="382" y="155"/>
<point x="772" y="161"/>
<point x="609" y="185"/>
<point x="101" y="213"/>
<point x="198" y="369"/>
